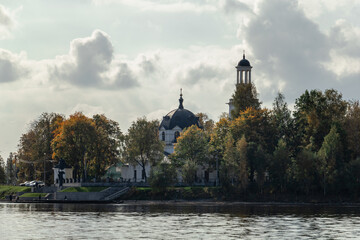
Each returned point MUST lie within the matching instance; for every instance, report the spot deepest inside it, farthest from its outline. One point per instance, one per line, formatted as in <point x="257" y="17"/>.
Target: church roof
<point x="244" y="62"/>
<point x="180" y="117"/>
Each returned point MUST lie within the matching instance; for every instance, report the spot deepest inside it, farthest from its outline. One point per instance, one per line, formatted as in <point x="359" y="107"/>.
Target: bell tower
<point x="243" y="76"/>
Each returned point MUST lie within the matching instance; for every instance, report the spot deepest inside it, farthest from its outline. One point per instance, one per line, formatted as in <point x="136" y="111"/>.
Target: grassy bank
<point x="84" y="189"/>
<point x="186" y="193"/>
<point x="33" y="195"/>
<point x="6" y="190"/>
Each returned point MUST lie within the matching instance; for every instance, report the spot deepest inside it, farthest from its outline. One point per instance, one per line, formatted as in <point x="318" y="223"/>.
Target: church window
<point x="163" y="136"/>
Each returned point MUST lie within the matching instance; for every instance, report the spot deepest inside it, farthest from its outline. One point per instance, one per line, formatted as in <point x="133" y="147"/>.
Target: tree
<point x="106" y="149"/>
<point x="315" y="113"/>
<point x="10" y="170"/>
<point x="330" y="154"/>
<point x="245" y="96"/>
<point x="303" y="171"/>
<point x="142" y="144"/>
<point x="192" y="144"/>
<point x="352" y="128"/>
<point x="234" y="168"/>
<point x="279" y="165"/>
<point x="2" y="171"/>
<point x="74" y="142"/>
<point x="35" y="148"/>
<point x="282" y="120"/>
<point x="255" y="124"/>
<point x="205" y="122"/>
<point x="162" y="176"/>
<point x="191" y="150"/>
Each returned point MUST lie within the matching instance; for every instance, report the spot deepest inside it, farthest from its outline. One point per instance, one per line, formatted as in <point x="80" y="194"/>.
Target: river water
<point x="177" y="221"/>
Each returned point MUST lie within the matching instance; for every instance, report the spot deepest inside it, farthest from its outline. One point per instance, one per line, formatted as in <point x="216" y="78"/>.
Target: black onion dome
<point x="244" y="62"/>
<point x="180" y="117"/>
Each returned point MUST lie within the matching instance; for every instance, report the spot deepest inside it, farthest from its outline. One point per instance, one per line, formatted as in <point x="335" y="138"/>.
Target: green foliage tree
<point x="315" y="113"/>
<point x="10" y="170"/>
<point x="352" y="128"/>
<point x="245" y="96"/>
<point x="142" y="144"/>
<point x="329" y="155"/>
<point x="304" y="171"/>
<point x="2" y="171"/>
<point x="279" y="166"/>
<point x="282" y="121"/>
<point x="106" y="150"/>
<point x="162" y="176"/>
<point x="34" y="149"/>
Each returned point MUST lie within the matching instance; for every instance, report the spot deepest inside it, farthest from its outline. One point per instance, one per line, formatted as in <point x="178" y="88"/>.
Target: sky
<point x="129" y="58"/>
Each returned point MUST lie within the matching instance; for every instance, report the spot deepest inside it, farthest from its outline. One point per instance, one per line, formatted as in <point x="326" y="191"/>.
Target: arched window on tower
<point x="176" y="135"/>
<point x="163" y="136"/>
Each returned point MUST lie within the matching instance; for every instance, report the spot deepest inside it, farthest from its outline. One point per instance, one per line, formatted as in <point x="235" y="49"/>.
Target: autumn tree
<point x="256" y="126"/>
<point x="142" y="144"/>
<point x="205" y="122"/>
<point x="191" y="150"/>
<point x="245" y="96"/>
<point x="234" y="168"/>
<point x="34" y="149"/>
<point x="74" y="142"/>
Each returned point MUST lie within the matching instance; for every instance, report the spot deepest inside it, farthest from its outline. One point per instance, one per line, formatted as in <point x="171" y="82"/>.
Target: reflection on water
<point x="168" y="221"/>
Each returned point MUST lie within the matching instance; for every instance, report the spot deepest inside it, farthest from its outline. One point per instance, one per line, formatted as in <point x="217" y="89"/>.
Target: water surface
<point x="177" y="221"/>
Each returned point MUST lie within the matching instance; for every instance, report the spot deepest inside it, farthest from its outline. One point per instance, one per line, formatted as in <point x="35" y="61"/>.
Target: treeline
<point x="89" y="145"/>
<point x="313" y="150"/>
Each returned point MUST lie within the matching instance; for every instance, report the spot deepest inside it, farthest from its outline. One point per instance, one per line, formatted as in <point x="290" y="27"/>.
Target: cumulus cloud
<point x="289" y="49"/>
<point x="90" y="64"/>
<point x="11" y="66"/>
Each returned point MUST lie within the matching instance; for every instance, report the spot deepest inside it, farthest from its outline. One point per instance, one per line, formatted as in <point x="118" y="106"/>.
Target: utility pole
<point x="44" y="167"/>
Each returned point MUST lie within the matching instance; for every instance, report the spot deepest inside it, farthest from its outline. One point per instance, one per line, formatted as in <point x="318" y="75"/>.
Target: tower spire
<point x="243" y="54"/>
<point x="181" y="100"/>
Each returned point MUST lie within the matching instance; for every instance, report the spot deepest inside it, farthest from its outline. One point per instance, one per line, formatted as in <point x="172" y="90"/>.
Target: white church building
<point x="174" y="123"/>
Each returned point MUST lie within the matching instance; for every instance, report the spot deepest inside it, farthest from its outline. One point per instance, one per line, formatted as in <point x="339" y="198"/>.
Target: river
<point x="196" y="220"/>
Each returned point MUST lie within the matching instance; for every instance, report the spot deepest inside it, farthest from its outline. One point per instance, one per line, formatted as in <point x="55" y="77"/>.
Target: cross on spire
<point x="181" y="100"/>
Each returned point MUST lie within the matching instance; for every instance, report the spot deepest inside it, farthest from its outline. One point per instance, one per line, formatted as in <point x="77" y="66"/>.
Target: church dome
<point x="244" y="62"/>
<point x="180" y="117"/>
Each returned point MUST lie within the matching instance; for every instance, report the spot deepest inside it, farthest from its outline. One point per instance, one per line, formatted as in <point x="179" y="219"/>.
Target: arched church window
<point x="176" y="135"/>
<point x="163" y="136"/>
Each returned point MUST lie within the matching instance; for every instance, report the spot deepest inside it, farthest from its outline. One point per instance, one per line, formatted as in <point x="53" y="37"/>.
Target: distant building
<point x="174" y="123"/>
<point x="243" y="76"/>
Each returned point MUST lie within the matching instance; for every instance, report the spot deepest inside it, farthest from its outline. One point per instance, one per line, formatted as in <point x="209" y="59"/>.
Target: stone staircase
<point x="115" y="192"/>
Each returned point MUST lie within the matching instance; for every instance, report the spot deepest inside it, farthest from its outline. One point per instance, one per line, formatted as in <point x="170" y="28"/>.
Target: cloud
<point x="11" y="66"/>
<point x="90" y="63"/>
<point x="88" y="59"/>
<point x="289" y="49"/>
<point x="163" y="5"/>
<point x="6" y="23"/>
<point x="235" y="6"/>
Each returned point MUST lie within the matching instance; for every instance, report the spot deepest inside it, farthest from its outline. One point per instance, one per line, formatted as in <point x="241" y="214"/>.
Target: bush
<point x="162" y="176"/>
